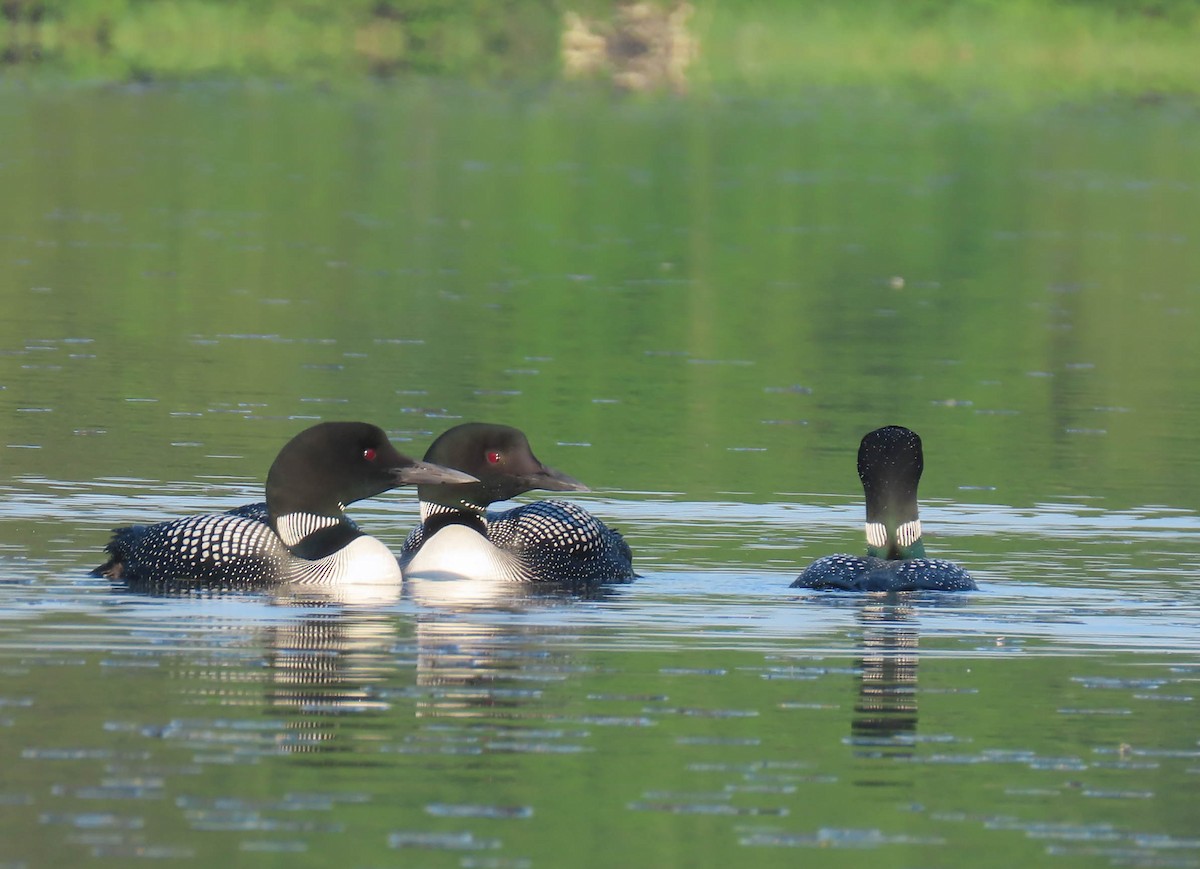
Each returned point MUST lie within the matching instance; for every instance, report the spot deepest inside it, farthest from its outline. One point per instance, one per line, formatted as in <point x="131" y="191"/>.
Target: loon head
<point x="890" y="462"/>
<point x="333" y="464"/>
<point x="500" y="457"/>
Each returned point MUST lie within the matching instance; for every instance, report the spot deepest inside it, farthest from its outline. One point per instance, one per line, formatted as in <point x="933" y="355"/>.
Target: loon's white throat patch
<point x="876" y="534"/>
<point x="428" y="508"/>
<point x="294" y="527"/>
<point x="909" y="533"/>
<point x="906" y="535"/>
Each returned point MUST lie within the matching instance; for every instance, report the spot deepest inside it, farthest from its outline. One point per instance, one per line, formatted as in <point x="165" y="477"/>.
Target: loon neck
<point x="890" y="462"/>
<point x="464" y="505"/>
<point x="893" y="522"/>
<point x="890" y="542"/>
<point x="313" y="535"/>
<point x="437" y="516"/>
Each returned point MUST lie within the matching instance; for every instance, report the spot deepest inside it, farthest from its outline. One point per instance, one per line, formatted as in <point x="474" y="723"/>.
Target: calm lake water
<point x="697" y="308"/>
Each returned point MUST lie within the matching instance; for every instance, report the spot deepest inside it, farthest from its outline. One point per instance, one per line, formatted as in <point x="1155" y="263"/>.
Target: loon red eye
<point x="493" y="458"/>
<point x="369" y="454"/>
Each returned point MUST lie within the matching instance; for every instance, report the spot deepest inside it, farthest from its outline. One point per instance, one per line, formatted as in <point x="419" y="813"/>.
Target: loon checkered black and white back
<point x="544" y="541"/>
<point x="303" y="536"/>
<point x="890" y="462"/>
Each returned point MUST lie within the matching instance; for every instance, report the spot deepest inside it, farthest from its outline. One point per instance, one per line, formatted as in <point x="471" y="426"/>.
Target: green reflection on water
<point x="718" y="298"/>
<point x="665" y="280"/>
<point x="195" y="730"/>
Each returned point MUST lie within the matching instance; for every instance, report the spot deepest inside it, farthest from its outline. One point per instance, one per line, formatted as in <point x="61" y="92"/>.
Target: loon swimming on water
<point x="544" y="541"/>
<point x="301" y="535"/>
<point x="890" y="462"/>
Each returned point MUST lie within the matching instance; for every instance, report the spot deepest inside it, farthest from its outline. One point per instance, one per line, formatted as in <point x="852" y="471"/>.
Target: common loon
<point x="301" y="535"/>
<point x="890" y="462"/>
<point x="544" y="541"/>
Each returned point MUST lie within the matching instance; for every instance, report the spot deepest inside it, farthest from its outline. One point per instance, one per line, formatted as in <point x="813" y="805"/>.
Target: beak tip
<point x="427" y="473"/>
<point x="556" y="481"/>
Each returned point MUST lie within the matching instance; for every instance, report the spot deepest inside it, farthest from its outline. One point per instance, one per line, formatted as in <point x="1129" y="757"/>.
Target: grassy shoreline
<point x="1019" y="48"/>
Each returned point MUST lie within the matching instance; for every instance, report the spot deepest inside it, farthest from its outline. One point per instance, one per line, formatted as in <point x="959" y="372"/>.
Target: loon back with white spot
<point x="856" y="573"/>
<point x="220" y="550"/>
<point x="233" y="552"/>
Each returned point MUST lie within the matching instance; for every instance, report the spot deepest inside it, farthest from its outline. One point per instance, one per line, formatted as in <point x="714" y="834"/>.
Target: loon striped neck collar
<point x="312" y="536"/>
<point x="890" y="462"/>
<point x="430" y="510"/>
<point x="892" y="543"/>
<point x="435" y="517"/>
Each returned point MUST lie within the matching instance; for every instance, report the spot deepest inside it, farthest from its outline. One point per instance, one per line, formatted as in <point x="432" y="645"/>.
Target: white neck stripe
<point x="909" y="533"/>
<point x="430" y="509"/>
<point x="294" y="527"/>
<point x="876" y="534"/>
<point x="906" y="535"/>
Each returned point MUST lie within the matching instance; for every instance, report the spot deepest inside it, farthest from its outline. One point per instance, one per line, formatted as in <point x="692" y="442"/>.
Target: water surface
<point x="695" y="307"/>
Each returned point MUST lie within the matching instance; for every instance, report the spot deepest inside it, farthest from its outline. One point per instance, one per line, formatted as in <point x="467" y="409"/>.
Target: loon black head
<point x="333" y="464"/>
<point x="890" y="462"/>
<point x="500" y="457"/>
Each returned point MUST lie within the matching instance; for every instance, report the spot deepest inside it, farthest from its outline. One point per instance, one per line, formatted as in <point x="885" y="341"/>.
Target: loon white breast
<point x="459" y="551"/>
<point x="890" y="463"/>
<point x="545" y="541"/>
<point x="301" y="536"/>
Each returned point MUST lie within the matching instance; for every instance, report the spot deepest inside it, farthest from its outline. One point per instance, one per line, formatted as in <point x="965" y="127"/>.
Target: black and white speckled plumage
<point x="545" y="541"/>
<point x="890" y="463"/>
<point x="300" y="535"/>
<point x="230" y="551"/>
<point x="212" y="549"/>
<point x="549" y="541"/>
<point x="858" y="573"/>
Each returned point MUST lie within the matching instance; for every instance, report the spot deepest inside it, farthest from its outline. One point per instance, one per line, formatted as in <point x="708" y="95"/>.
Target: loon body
<point x="545" y="541"/>
<point x="890" y="462"/>
<point x="301" y="535"/>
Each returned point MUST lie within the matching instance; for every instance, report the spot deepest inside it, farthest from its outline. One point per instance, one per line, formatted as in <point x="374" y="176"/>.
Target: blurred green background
<point x="1022" y="47"/>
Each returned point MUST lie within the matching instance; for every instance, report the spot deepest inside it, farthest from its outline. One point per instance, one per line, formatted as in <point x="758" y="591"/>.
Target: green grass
<point x="1018" y="47"/>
